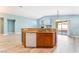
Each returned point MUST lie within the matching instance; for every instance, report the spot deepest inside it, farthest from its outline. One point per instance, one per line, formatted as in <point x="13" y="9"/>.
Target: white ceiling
<point x="39" y="11"/>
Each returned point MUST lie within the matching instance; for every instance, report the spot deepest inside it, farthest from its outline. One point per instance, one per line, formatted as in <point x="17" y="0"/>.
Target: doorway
<point x="62" y="27"/>
<point x="11" y="26"/>
<point x="1" y="25"/>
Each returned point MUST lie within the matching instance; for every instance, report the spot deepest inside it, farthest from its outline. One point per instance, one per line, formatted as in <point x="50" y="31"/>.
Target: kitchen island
<point x="38" y="37"/>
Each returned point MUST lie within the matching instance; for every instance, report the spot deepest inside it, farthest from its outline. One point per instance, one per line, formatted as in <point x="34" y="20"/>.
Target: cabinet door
<point x="44" y="40"/>
<point x="30" y="39"/>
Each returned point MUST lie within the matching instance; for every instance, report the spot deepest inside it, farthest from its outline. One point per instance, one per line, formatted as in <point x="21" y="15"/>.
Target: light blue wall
<point x="47" y="20"/>
<point x="24" y="22"/>
<point x="20" y="22"/>
<point x="73" y="24"/>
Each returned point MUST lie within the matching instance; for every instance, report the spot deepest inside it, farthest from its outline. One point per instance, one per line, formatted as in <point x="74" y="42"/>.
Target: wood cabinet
<point x="44" y="40"/>
<point x="39" y="39"/>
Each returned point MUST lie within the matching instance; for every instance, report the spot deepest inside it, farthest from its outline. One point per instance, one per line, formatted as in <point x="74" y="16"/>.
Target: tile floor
<point x="12" y="44"/>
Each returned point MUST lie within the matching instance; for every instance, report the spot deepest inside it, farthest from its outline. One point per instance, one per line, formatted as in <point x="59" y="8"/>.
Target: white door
<point x="30" y="39"/>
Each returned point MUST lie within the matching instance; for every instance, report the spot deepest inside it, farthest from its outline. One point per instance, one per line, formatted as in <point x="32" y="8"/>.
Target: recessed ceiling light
<point x="20" y="6"/>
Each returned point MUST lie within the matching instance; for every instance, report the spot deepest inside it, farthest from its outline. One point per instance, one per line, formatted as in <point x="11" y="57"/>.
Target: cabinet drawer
<point x="44" y="34"/>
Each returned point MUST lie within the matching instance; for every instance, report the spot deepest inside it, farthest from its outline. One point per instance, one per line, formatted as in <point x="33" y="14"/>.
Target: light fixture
<point x="57" y="13"/>
<point x="20" y="6"/>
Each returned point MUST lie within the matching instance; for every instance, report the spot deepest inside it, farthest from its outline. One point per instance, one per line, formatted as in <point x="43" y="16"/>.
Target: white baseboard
<point x="13" y="33"/>
<point x="74" y="36"/>
<point x="3" y="34"/>
<point x="18" y="33"/>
